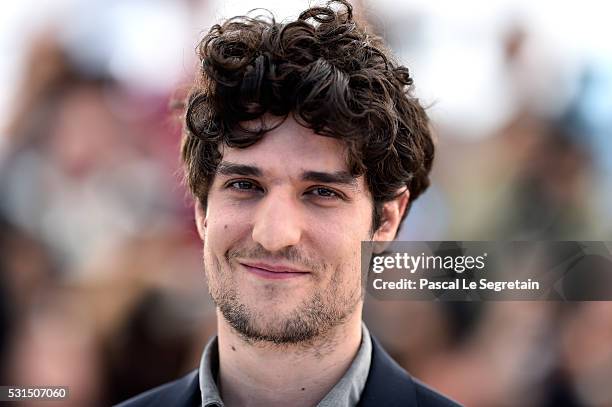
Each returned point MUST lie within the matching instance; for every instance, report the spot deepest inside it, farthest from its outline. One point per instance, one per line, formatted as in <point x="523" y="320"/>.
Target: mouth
<point x="273" y="271"/>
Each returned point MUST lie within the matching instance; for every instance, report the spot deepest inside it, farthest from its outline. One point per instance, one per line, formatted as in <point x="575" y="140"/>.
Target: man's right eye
<point x="242" y="185"/>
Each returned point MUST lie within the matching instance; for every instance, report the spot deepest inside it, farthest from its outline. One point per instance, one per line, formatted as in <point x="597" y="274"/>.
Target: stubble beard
<point x="310" y="321"/>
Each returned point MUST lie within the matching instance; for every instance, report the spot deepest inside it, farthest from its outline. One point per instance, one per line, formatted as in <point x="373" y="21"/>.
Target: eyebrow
<point x="335" y="177"/>
<point x="227" y="168"/>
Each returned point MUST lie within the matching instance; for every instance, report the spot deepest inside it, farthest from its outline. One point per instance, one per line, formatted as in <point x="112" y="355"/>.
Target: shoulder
<point x="427" y="397"/>
<point x="390" y="385"/>
<point x="183" y="392"/>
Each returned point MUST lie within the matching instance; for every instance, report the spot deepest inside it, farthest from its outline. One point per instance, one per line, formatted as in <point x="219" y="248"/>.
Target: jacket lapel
<point x="388" y="384"/>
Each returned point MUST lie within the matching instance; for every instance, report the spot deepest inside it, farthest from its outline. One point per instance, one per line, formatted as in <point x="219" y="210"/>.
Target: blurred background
<point x="101" y="287"/>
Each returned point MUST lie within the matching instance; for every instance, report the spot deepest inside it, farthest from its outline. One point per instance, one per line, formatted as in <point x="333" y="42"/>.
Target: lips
<point x="273" y="271"/>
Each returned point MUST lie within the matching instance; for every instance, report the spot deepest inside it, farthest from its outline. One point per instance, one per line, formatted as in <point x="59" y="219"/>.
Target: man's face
<point x="282" y="232"/>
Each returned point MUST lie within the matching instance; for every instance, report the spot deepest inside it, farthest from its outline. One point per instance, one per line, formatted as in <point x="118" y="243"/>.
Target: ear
<point x="392" y="214"/>
<point x="200" y="218"/>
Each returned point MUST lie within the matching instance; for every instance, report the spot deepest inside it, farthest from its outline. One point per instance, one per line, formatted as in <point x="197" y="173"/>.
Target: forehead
<point x="291" y="148"/>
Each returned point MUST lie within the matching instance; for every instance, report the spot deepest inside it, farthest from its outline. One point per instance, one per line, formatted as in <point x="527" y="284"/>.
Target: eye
<point x="324" y="192"/>
<point x="242" y="185"/>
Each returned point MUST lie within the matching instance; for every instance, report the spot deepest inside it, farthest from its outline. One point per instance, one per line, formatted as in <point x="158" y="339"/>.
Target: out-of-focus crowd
<point x="101" y="281"/>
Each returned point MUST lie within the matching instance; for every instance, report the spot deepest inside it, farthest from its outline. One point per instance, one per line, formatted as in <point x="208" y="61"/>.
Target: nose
<point x="277" y="222"/>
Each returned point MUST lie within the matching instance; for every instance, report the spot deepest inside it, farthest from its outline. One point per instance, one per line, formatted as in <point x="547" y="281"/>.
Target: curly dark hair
<point x="333" y="77"/>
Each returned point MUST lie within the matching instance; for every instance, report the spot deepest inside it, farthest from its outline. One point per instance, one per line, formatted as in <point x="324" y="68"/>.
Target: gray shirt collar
<point x="346" y="393"/>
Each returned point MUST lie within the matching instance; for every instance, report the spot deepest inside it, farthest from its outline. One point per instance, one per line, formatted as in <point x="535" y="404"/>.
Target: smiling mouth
<point x="273" y="272"/>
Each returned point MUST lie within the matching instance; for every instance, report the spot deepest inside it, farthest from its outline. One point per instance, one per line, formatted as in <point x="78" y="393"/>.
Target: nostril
<point x="276" y="235"/>
<point x="277" y="223"/>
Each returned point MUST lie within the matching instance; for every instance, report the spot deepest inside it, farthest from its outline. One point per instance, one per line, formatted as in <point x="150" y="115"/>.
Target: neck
<point x="266" y="374"/>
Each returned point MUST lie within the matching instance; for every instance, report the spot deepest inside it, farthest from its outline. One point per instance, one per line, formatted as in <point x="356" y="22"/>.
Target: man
<point x="301" y="141"/>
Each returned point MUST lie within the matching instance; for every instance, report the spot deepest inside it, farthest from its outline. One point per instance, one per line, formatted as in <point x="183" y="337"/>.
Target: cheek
<point x="339" y="245"/>
<point x="338" y="242"/>
<point x="343" y="229"/>
<point x="227" y="224"/>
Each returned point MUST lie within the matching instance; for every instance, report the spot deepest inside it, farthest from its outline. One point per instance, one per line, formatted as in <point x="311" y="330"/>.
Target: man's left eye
<point x="324" y="192"/>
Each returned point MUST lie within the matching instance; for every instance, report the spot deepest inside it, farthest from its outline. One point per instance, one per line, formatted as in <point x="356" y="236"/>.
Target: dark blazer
<point x="388" y="385"/>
